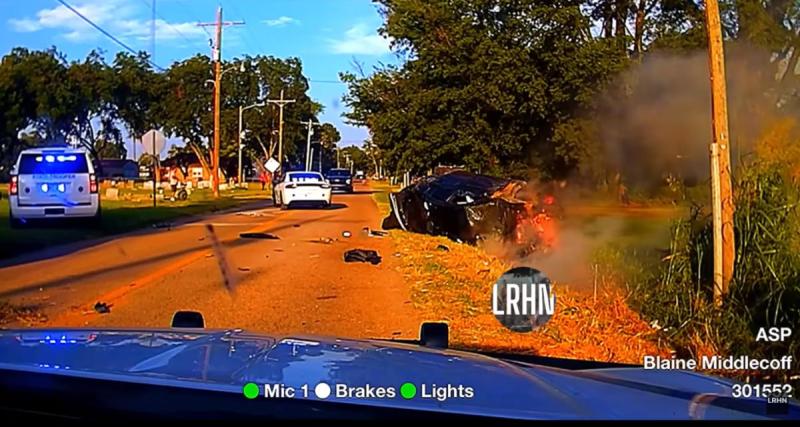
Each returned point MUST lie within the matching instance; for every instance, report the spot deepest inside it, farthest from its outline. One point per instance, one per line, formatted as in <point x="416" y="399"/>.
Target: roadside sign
<point x="272" y="165"/>
<point x="154" y="142"/>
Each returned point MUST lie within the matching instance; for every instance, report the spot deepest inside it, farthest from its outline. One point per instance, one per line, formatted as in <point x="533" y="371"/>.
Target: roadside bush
<point x="765" y="290"/>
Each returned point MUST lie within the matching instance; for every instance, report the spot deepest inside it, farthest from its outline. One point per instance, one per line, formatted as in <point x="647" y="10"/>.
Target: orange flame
<point x="537" y="226"/>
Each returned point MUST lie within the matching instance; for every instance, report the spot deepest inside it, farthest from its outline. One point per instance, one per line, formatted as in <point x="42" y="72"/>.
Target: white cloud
<point x="140" y="30"/>
<point x="281" y="21"/>
<point x="24" y="25"/>
<point x="61" y="18"/>
<point x="360" y="40"/>
<point x="119" y="17"/>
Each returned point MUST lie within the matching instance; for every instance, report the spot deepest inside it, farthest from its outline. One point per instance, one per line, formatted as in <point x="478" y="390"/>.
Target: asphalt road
<point x="296" y="284"/>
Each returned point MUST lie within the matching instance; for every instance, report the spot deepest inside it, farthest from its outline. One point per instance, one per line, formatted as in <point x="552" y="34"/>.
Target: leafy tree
<point x="182" y="157"/>
<point x="356" y="155"/>
<point x="188" y="105"/>
<point x="89" y="102"/>
<point x="98" y="105"/>
<point x="329" y="136"/>
<point x="110" y="149"/>
<point x="138" y="93"/>
<point x="41" y="75"/>
<point x="17" y="107"/>
<point x="485" y="84"/>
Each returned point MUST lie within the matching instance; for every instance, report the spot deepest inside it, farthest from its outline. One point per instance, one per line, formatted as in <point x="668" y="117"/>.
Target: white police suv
<point x="53" y="182"/>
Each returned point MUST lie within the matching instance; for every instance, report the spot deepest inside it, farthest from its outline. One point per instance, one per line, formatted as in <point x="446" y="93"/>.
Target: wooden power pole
<point x="280" y="103"/>
<point x="217" y="53"/>
<point x="721" y="188"/>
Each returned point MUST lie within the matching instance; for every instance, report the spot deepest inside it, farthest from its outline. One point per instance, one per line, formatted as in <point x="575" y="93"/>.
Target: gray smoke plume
<point x="656" y="119"/>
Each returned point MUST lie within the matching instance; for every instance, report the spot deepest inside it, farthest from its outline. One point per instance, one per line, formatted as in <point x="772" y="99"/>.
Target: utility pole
<point x="721" y="187"/>
<point x="348" y="161"/>
<point x="153" y="59"/>
<point x="153" y="32"/>
<point x="308" y="144"/>
<point x="217" y="58"/>
<point x="239" y="140"/>
<point x="309" y="156"/>
<point x="280" y="103"/>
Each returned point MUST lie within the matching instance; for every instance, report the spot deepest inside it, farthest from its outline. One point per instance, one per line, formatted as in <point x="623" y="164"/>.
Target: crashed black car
<point x="467" y="207"/>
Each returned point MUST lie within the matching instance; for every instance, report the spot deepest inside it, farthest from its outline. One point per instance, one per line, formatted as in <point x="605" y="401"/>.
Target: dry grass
<point x="455" y="286"/>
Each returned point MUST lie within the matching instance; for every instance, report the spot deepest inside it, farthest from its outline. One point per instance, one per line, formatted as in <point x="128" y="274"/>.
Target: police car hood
<point x="355" y="369"/>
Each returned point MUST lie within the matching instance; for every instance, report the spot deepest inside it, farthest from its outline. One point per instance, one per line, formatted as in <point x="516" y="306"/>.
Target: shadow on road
<point x="63" y="281"/>
<point x="149" y="228"/>
<point x="356" y="192"/>
<point x="295" y="224"/>
<point x="331" y="207"/>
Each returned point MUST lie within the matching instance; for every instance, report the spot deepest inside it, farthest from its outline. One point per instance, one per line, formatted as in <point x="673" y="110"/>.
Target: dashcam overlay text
<point x="324" y="390"/>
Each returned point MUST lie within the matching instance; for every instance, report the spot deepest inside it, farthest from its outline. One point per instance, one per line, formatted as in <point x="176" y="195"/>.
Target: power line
<point x="106" y="33"/>
<point x="248" y="37"/>
<point x="188" y="7"/>
<point x="327" y="81"/>
<point x="174" y="29"/>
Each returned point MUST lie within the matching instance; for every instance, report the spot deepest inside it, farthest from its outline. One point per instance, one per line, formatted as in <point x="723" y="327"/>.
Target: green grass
<point x="119" y="216"/>
<point x="381" y="195"/>
<point x="677" y="290"/>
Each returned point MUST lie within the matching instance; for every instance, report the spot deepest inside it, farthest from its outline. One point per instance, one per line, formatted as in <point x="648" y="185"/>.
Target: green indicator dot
<point x="250" y="390"/>
<point x="408" y="390"/>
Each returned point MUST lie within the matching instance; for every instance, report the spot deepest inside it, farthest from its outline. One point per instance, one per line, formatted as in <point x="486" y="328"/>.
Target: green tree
<point x="17" y="109"/>
<point x="486" y="83"/>
<point x="356" y="155"/>
<point x="180" y="156"/>
<point x="91" y="106"/>
<point x="110" y="149"/>
<point x="138" y="93"/>
<point x="329" y="136"/>
<point x="42" y="76"/>
<point x="188" y="105"/>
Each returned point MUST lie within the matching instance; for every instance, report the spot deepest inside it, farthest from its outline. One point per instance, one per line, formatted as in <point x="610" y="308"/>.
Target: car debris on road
<point x="102" y="307"/>
<point x="362" y="255"/>
<point x="323" y="240"/>
<point x="374" y="233"/>
<point x="252" y="214"/>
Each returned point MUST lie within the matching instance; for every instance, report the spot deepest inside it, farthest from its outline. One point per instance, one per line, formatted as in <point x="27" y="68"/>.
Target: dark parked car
<point x="340" y="179"/>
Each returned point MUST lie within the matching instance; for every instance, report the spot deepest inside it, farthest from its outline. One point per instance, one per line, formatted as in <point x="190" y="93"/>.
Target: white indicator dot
<point x="322" y="390"/>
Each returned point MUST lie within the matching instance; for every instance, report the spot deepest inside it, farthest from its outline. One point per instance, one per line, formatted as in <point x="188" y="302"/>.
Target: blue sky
<point x="327" y="35"/>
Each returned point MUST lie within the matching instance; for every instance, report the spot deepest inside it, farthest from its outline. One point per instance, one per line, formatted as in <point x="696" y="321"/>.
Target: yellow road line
<point x="74" y="317"/>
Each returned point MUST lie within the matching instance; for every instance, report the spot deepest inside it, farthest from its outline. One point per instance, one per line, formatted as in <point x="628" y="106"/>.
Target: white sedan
<point x="302" y="189"/>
